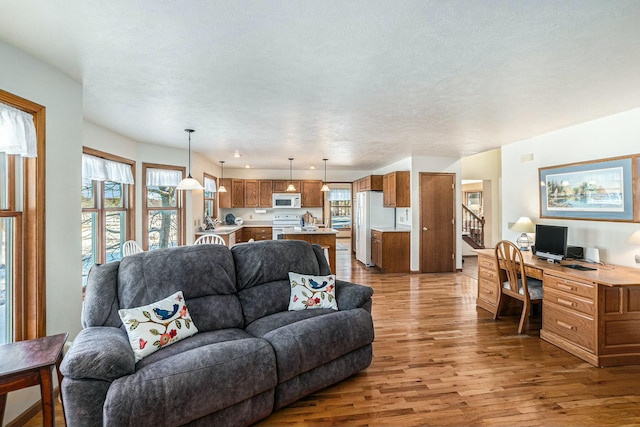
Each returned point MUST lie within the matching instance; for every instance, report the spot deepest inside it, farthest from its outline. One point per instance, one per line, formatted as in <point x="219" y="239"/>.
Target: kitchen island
<point x="321" y="236"/>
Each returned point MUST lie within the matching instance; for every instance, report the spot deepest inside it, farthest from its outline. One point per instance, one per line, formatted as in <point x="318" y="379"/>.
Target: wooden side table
<point x="28" y="363"/>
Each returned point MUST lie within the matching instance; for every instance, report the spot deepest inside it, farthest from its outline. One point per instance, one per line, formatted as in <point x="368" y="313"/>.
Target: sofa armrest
<point x="351" y="295"/>
<point x="101" y="353"/>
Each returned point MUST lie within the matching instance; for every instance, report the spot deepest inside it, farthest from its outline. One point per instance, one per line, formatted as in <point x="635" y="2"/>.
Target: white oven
<point x="284" y="222"/>
<point x="286" y="200"/>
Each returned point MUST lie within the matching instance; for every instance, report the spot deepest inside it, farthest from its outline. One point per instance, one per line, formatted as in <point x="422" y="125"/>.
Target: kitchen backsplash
<point x="250" y="214"/>
<point x="403" y="217"/>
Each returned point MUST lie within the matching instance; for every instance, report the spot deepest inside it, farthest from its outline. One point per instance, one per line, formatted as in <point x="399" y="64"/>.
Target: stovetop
<point x="287" y="219"/>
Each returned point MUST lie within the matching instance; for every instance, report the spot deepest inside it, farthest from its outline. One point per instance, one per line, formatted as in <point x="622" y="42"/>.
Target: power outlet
<point x="637" y="259"/>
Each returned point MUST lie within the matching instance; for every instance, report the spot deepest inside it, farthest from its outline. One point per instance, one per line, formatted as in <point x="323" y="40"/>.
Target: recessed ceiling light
<point x="247" y="166"/>
<point x="236" y="155"/>
<point x="312" y="167"/>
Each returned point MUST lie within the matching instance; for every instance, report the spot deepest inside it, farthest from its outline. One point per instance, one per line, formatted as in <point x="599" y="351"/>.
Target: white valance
<point x="163" y="177"/>
<point x="210" y="185"/>
<point x="17" y="132"/>
<point x="100" y="169"/>
<point x="336" y="194"/>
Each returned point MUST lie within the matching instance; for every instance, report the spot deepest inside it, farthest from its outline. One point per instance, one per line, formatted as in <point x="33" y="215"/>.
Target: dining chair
<point x="130" y="247"/>
<point x="210" y="239"/>
<point x="517" y="284"/>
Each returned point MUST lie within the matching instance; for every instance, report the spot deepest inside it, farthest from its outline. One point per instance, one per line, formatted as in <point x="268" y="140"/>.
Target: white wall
<point x="611" y="136"/>
<point x="36" y="81"/>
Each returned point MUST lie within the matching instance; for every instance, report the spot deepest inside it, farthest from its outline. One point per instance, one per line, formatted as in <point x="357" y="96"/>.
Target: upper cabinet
<point x="280" y="185"/>
<point x="368" y="183"/>
<point x="266" y="190"/>
<point x="311" y="194"/>
<point x="224" y="199"/>
<point x="396" y="190"/>
<point x="251" y="193"/>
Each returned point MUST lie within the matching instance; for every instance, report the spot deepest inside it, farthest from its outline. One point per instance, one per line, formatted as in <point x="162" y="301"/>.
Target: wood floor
<point x="440" y="361"/>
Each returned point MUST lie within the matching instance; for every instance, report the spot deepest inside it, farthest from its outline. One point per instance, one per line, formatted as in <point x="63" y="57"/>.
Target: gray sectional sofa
<point x="251" y="355"/>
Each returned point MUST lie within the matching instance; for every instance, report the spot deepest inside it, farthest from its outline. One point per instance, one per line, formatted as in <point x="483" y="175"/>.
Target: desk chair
<point x="130" y="247"/>
<point x="517" y="285"/>
<point x="210" y="239"/>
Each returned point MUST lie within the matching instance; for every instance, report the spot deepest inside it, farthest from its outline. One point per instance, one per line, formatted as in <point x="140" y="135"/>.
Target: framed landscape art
<point x="597" y="190"/>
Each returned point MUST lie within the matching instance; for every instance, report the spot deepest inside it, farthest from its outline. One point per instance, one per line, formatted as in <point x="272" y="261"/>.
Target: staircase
<point x="472" y="228"/>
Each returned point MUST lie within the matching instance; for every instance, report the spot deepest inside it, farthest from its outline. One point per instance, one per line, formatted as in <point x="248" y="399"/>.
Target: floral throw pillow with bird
<point x="309" y="292"/>
<point x="157" y="325"/>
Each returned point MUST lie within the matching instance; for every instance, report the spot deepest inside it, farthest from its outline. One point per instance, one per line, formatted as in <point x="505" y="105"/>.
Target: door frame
<point x="454" y="223"/>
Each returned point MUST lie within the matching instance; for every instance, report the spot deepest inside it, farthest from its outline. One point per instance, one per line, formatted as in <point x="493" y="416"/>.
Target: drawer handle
<point x="565" y="302"/>
<point x="566" y="287"/>
<point x="566" y="325"/>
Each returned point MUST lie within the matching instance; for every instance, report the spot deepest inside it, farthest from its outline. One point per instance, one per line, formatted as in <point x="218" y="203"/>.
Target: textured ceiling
<point x="363" y="83"/>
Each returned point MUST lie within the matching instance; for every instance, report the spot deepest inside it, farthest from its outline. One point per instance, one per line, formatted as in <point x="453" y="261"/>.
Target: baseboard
<point x="31" y="412"/>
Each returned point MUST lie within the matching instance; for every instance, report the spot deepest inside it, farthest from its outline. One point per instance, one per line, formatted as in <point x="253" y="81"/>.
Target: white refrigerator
<point x="370" y="213"/>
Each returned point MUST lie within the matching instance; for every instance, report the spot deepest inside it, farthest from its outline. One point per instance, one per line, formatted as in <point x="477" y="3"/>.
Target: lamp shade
<point x="524" y="225"/>
<point x="189" y="183"/>
<point x="634" y="239"/>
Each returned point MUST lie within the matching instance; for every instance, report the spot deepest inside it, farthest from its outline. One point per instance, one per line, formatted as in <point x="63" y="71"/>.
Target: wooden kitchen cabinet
<point x="390" y="251"/>
<point x="487" y="282"/>
<point x="368" y="183"/>
<point x="251" y="193"/>
<point x="257" y="233"/>
<point x="257" y="193"/>
<point x="237" y="193"/>
<point x="266" y="191"/>
<point x="311" y="196"/>
<point x="280" y="185"/>
<point x="224" y="199"/>
<point x="396" y="190"/>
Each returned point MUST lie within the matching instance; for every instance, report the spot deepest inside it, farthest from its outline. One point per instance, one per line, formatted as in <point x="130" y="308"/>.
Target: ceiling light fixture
<point x="325" y="187"/>
<point x="291" y="187"/>
<point x="189" y="183"/>
<point x="221" y="189"/>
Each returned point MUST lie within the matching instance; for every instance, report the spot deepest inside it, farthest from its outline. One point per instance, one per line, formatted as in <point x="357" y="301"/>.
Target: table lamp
<point x="634" y="239"/>
<point x="523" y="225"/>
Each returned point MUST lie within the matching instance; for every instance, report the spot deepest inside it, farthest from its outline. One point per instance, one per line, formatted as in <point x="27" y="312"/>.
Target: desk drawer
<point x="570" y="301"/>
<point x="488" y="291"/>
<point x="486" y="263"/>
<point x="578" y="328"/>
<point x="583" y="289"/>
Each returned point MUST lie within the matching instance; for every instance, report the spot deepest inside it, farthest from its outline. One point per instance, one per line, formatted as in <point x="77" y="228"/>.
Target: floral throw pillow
<point x="309" y="292"/>
<point x="157" y="325"/>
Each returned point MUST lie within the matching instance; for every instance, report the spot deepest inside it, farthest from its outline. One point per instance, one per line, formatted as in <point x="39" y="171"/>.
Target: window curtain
<point x="163" y="177"/>
<point x="100" y="169"/>
<point x="17" y="132"/>
<point x="210" y="185"/>
<point x="336" y="194"/>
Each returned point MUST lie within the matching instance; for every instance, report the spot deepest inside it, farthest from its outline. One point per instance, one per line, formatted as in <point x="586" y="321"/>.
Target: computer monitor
<point x="551" y="242"/>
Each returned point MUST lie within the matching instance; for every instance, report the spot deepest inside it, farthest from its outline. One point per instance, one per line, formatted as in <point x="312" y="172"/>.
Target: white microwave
<point x="286" y="200"/>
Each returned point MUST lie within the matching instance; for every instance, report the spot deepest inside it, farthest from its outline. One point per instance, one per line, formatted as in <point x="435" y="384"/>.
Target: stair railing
<point x="473" y="226"/>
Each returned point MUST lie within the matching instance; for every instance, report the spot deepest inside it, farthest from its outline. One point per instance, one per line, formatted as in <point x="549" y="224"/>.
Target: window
<point x="22" y="233"/>
<point x="210" y="189"/>
<point x="340" y="202"/>
<point x="108" y="217"/>
<point x="163" y="215"/>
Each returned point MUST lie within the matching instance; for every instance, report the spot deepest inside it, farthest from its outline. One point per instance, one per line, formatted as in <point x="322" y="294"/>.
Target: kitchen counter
<point x="325" y="237"/>
<point x="392" y="229"/>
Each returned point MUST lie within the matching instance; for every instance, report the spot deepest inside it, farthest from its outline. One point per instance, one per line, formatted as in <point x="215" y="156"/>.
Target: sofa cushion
<point x="100" y="307"/>
<point x="157" y="325"/>
<point x="189" y="385"/>
<point x="204" y="273"/>
<point x="312" y="292"/>
<point x="315" y="339"/>
<point x="272" y="260"/>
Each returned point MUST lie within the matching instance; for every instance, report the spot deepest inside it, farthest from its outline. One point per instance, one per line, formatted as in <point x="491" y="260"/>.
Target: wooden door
<point x="437" y="222"/>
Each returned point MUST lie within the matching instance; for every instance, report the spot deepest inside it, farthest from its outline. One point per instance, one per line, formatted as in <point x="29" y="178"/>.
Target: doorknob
<point x="424" y="228"/>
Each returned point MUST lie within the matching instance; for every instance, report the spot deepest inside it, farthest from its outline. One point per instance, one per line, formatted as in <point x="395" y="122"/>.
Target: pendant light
<point x="221" y="189"/>
<point x="189" y="183"/>
<point x="291" y="187"/>
<point x="325" y="187"/>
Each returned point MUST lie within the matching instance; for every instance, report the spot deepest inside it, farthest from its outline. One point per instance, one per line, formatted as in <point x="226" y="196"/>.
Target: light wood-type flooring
<point x="440" y="361"/>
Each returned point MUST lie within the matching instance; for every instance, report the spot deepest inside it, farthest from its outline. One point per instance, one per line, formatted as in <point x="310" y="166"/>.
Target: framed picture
<point x="597" y="190"/>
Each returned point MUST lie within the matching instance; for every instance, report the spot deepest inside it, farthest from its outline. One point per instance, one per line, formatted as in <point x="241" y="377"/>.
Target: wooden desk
<point x="594" y="315"/>
<point x="28" y="363"/>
